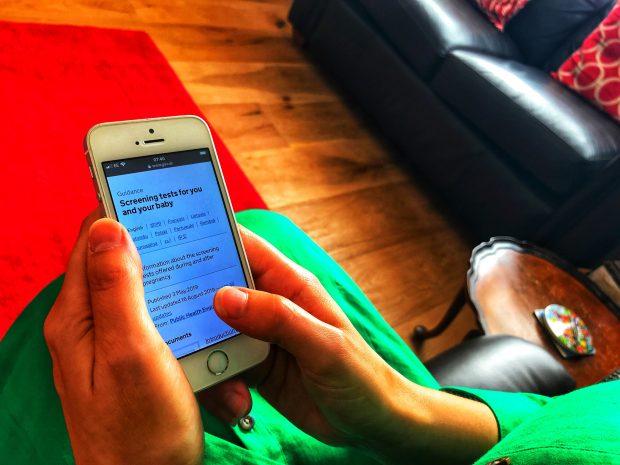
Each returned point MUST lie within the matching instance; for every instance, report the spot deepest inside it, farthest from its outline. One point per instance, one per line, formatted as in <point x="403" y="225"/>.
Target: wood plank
<point x="198" y="43"/>
<point x="362" y="221"/>
<point x="316" y="121"/>
<point x="319" y="170"/>
<point x="217" y="83"/>
<point x="81" y="12"/>
<point x="267" y="17"/>
<point x="244" y="127"/>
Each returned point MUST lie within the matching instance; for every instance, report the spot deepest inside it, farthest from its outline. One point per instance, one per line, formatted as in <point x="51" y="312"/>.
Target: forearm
<point x="430" y="427"/>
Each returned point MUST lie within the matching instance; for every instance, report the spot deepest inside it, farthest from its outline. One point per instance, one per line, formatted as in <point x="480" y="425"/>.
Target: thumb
<point x="273" y="318"/>
<point x="114" y="273"/>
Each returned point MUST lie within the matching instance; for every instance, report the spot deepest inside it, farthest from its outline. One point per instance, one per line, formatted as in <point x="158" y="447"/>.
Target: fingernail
<point x="236" y="406"/>
<point x="104" y="235"/>
<point x="231" y="302"/>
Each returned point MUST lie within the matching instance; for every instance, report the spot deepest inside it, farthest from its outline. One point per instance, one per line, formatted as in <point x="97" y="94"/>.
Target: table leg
<point x="421" y="333"/>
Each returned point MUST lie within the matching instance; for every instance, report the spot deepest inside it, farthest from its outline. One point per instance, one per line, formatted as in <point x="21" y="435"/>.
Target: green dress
<point x="580" y="427"/>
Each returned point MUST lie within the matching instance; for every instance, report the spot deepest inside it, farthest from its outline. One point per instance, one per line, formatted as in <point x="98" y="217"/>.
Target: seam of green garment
<point x="574" y="428"/>
<point x="271" y="435"/>
<point x="466" y="395"/>
<point x="217" y="449"/>
<point x="516" y="450"/>
<point x="509" y="408"/>
<point x="267" y="439"/>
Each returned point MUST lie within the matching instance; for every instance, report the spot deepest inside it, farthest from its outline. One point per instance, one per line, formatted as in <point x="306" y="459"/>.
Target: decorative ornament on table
<point x="567" y="331"/>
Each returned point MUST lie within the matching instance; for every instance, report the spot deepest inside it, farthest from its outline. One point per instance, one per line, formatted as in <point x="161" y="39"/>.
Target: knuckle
<point x="110" y="272"/>
<point x="308" y="278"/>
<point x="49" y="329"/>
<point x="126" y="363"/>
<point x="283" y="312"/>
<point x="107" y="278"/>
<point x="55" y="326"/>
<point x="285" y="306"/>
<point x="89" y="220"/>
<point x="85" y="225"/>
<point x="58" y="384"/>
<point x="336" y="350"/>
<point x="338" y="344"/>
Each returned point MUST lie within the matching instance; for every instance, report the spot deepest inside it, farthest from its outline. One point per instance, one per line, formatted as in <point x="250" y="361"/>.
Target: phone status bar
<point x="155" y="162"/>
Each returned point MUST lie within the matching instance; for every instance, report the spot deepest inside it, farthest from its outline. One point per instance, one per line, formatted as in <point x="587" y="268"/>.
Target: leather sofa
<point x="475" y="112"/>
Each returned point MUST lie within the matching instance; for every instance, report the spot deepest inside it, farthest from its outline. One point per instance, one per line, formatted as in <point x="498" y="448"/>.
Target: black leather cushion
<point x="594" y="228"/>
<point x="463" y="169"/>
<point x="424" y="31"/>
<point x="544" y="127"/>
<point x="544" y="26"/>
<point x="575" y="41"/>
<point x="305" y="16"/>
<point x="501" y="363"/>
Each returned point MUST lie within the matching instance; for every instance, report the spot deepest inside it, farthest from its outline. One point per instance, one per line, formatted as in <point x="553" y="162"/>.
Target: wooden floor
<point x="301" y="143"/>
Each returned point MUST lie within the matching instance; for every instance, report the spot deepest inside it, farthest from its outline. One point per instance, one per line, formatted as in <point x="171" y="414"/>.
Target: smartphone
<point x="161" y="179"/>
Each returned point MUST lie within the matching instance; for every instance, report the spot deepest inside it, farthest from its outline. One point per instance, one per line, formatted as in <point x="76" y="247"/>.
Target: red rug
<point x="55" y="83"/>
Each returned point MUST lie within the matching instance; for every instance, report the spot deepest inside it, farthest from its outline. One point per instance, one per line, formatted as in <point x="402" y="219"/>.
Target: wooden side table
<point x="509" y="279"/>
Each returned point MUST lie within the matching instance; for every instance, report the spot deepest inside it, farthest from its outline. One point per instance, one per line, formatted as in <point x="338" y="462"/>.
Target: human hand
<point x="325" y="379"/>
<point x="124" y="396"/>
<point x="320" y="373"/>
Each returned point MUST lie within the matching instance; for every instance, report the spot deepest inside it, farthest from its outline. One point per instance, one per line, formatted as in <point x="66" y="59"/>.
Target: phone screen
<point x="173" y="208"/>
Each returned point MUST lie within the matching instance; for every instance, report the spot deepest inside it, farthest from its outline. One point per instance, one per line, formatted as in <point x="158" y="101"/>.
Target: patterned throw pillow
<point x="500" y="11"/>
<point x="594" y="69"/>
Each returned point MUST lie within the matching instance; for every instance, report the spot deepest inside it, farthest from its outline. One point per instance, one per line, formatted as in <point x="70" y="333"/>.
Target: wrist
<point x="399" y="419"/>
<point x="430" y="425"/>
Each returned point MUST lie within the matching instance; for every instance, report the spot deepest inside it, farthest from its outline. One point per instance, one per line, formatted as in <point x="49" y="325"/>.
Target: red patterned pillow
<point x="594" y="69"/>
<point x="500" y="11"/>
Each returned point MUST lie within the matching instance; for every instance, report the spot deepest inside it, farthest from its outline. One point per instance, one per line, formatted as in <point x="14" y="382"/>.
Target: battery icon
<point x="203" y="152"/>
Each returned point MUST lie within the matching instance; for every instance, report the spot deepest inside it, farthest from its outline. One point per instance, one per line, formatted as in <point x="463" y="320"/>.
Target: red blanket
<point x="55" y="83"/>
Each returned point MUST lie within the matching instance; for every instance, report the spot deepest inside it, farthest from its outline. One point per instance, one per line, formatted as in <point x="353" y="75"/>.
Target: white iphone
<point x="161" y="179"/>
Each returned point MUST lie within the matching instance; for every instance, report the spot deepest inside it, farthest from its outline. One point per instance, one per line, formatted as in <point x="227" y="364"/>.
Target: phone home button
<point x="217" y="362"/>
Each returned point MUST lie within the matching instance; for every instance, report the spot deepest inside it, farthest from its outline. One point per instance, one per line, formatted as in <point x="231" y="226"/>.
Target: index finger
<point x="69" y="320"/>
<point x="275" y="273"/>
<point x="75" y="286"/>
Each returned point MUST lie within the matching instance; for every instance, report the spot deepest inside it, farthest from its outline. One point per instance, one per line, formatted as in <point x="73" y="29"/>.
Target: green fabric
<point x="510" y="408"/>
<point x="581" y="427"/>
